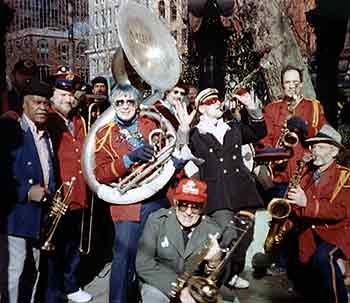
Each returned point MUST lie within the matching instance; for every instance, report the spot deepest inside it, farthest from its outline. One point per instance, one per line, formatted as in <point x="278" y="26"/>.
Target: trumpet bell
<point x="203" y="290"/>
<point x="148" y="46"/>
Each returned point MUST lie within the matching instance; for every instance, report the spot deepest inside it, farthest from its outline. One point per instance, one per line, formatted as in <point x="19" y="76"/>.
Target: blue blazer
<point x="23" y="217"/>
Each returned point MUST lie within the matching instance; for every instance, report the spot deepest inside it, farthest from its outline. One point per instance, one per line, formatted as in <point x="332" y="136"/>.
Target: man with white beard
<point x="320" y="214"/>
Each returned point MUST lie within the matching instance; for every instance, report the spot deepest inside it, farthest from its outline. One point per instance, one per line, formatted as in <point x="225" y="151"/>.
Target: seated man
<point x="321" y="213"/>
<point x="171" y="237"/>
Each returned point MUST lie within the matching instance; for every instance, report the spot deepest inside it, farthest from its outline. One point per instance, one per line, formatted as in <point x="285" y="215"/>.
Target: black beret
<point x="25" y="67"/>
<point x="36" y="87"/>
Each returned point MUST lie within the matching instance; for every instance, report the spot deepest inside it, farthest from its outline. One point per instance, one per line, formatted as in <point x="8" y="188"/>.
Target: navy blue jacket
<point x="20" y="169"/>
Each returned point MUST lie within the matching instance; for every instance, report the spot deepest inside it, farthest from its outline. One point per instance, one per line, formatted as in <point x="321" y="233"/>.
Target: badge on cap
<point x="190" y="188"/>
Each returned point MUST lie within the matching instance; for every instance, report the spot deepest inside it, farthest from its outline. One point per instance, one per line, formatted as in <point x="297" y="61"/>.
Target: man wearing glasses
<point x="119" y="145"/>
<point x="171" y="237"/>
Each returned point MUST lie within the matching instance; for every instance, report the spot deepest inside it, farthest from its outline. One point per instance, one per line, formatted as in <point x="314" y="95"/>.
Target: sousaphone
<point x="151" y="51"/>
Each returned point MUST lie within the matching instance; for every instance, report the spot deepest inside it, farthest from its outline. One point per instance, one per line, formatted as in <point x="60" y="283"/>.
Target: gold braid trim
<point x="343" y="178"/>
<point x="100" y="143"/>
<point x="316" y="112"/>
<point x="84" y="125"/>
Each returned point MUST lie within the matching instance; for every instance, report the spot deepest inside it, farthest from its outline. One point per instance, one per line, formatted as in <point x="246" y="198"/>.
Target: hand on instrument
<point x="37" y="193"/>
<point x="185" y="296"/>
<point x="183" y="117"/>
<point x="297" y="196"/>
<point x="143" y="153"/>
<point x="215" y="252"/>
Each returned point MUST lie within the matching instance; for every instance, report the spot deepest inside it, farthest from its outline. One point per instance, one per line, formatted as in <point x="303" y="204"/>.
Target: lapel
<point x="197" y="240"/>
<point x="30" y="149"/>
<point x="211" y="142"/>
<point x="175" y="234"/>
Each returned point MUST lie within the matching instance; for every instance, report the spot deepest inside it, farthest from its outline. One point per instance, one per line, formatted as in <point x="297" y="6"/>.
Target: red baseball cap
<point x="191" y="190"/>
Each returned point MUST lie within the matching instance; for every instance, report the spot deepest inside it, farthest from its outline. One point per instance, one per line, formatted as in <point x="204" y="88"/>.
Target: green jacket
<point x="161" y="253"/>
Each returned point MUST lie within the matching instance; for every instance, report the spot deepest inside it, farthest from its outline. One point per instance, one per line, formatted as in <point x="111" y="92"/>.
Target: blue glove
<point x="142" y="153"/>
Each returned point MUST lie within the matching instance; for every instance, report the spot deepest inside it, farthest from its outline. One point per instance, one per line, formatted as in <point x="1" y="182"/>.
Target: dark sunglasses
<point x="183" y="206"/>
<point x="129" y="102"/>
<point x="176" y="92"/>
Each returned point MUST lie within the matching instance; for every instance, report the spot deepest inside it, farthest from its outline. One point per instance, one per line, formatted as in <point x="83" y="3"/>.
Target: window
<point x="161" y="9"/>
<point x="173" y="11"/>
<point x="44" y="72"/>
<point x="80" y="51"/>
<point x="63" y="52"/>
<point x="43" y="49"/>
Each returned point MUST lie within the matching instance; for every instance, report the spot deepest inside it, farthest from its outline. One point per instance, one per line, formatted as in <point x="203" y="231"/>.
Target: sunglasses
<point x="195" y="208"/>
<point x="120" y="103"/>
<point x="211" y="101"/>
<point x="176" y="92"/>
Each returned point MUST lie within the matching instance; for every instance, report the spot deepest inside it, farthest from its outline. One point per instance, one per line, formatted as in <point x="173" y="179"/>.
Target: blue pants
<point x="63" y="263"/>
<point x="320" y="280"/>
<point x="123" y="286"/>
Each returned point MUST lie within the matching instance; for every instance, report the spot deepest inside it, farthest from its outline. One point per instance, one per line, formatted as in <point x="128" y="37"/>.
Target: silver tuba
<point x="151" y="51"/>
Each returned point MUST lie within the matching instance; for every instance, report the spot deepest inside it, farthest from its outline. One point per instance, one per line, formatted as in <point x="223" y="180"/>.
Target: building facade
<point x="103" y="38"/>
<point x="51" y="32"/>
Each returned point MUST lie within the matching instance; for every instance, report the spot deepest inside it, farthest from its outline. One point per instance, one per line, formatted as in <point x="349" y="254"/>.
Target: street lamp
<point x="70" y="10"/>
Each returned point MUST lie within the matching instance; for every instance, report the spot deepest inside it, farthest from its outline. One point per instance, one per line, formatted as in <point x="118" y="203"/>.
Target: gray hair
<point x="128" y="91"/>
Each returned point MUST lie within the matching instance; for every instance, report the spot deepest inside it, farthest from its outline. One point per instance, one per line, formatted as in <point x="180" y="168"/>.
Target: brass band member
<point x="119" y="145"/>
<point x="294" y="112"/>
<point x="27" y="176"/>
<point x="321" y="212"/>
<point x="68" y="133"/>
<point x="231" y="186"/>
<point x="170" y="238"/>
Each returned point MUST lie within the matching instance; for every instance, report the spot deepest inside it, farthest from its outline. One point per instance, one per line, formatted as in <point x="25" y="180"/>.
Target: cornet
<point x="58" y="209"/>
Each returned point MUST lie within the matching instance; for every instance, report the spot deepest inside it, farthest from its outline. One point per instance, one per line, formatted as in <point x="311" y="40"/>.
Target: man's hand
<point x="183" y="117"/>
<point x="142" y="153"/>
<point x="37" y="193"/>
<point x="214" y="254"/>
<point x="247" y="99"/>
<point x="185" y="296"/>
<point x="297" y="196"/>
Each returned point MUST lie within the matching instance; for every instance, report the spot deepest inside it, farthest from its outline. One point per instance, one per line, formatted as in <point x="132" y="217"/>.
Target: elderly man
<point x="28" y="178"/>
<point x="68" y="132"/>
<point x="119" y="145"/>
<point x="321" y="216"/>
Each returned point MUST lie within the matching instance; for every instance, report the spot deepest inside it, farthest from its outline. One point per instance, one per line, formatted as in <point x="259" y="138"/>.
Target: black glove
<point x="142" y="153"/>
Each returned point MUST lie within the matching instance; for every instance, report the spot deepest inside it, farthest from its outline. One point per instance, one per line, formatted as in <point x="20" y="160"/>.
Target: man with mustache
<point x="321" y="213"/>
<point x="27" y="177"/>
<point x="68" y="133"/>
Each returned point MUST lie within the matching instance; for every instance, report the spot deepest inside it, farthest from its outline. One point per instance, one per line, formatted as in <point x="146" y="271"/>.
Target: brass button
<point x="237" y="170"/>
<point x="236" y="145"/>
<point x="221" y="159"/>
<point x="234" y="157"/>
<point x="313" y="226"/>
<point x="211" y="150"/>
<point x="31" y="181"/>
<point x="80" y="172"/>
<point x="225" y="171"/>
<point x="29" y="163"/>
<point x="74" y="140"/>
<point x="76" y="150"/>
<point x="78" y="160"/>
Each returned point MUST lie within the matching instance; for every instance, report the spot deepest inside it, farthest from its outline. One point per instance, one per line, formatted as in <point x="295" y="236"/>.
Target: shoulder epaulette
<point x="342" y="180"/>
<point x="108" y="129"/>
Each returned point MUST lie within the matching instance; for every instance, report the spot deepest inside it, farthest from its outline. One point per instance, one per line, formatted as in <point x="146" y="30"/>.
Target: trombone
<point x="94" y="111"/>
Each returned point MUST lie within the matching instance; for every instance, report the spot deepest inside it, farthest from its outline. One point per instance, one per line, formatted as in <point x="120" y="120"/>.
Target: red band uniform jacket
<point x="110" y="149"/>
<point x="68" y="149"/>
<point x="275" y="114"/>
<point x="327" y="213"/>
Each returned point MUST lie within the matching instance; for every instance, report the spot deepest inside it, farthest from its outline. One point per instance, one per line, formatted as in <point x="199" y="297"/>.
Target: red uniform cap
<point x="191" y="190"/>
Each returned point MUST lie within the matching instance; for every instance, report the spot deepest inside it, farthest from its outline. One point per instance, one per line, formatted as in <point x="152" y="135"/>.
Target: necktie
<point x="317" y="176"/>
<point x="70" y="126"/>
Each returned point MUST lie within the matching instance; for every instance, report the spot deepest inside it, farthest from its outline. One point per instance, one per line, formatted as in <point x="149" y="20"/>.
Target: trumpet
<point x="58" y="209"/>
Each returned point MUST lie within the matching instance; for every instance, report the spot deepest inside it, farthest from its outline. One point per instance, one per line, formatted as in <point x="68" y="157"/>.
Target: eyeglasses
<point x="183" y="206"/>
<point x="122" y="102"/>
<point x="181" y="92"/>
<point x="211" y="101"/>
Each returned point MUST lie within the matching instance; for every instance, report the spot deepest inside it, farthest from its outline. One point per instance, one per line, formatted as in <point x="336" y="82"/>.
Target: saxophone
<point x="206" y="289"/>
<point x="280" y="209"/>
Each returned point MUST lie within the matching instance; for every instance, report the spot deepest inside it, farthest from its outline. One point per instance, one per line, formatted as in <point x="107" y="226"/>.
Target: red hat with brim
<point x="191" y="190"/>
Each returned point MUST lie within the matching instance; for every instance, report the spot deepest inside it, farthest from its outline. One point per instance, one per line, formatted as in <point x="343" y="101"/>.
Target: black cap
<point x="36" y="87"/>
<point x="25" y="67"/>
<point x="99" y="79"/>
